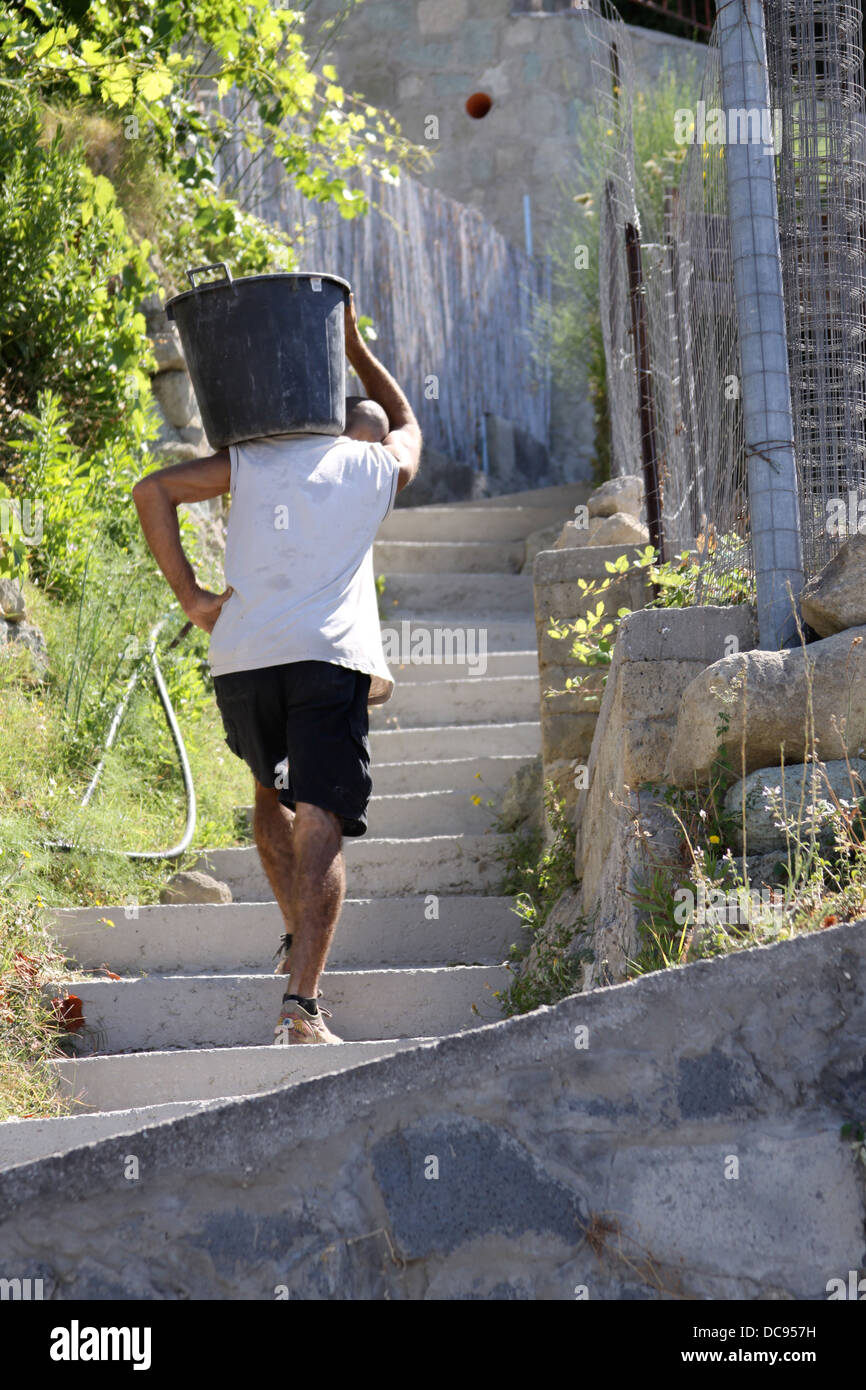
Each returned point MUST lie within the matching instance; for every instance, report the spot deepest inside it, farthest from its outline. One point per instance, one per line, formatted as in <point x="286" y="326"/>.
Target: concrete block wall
<point x="581" y="1151"/>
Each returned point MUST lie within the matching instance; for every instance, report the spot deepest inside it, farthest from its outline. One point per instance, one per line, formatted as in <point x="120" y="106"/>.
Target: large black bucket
<point x="266" y="354"/>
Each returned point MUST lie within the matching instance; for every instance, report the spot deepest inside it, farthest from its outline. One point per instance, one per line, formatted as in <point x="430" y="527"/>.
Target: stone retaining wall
<point x="676" y="1137"/>
<point x="658" y="653"/>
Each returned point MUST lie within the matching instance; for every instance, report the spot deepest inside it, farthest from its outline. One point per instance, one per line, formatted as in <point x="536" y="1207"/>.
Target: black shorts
<point x="314" y="714"/>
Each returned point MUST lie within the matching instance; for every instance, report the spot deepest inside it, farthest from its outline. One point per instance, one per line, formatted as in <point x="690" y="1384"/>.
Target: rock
<point x="153" y="309"/>
<point x="167" y="350"/>
<point x="194" y="434"/>
<point x="824" y="783"/>
<point x="624" y="494"/>
<point x="29" y="636"/>
<point x="176" y="397"/>
<point x="572" y="534"/>
<point x="12" y="606"/>
<point x="542" y="539"/>
<point x="522" y="798"/>
<point x="762" y="699"/>
<point x="766" y="870"/>
<point x="565" y="937"/>
<point x="836" y="598"/>
<point x="175" y="452"/>
<point x="192" y="886"/>
<point x="620" y="529"/>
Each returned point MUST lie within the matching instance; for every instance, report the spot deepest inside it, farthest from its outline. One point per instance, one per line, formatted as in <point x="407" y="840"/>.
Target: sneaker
<point x="298" y="1026"/>
<point x="281" y="955"/>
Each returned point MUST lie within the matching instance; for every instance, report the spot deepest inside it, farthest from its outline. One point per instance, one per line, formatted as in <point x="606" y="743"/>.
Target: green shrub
<point x="73" y="280"/>
<point x="537" y="874"/>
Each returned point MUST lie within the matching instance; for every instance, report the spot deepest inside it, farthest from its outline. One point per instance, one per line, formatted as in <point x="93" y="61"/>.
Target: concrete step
<point x="555" y="499"/>
<point x="381" y="868"/>
<point x="207" y="1073"/>
<point x="471" y="522"/>
<point x="240" y="936"/>
<point x="438" y="743"/>
<point x="485" y="776"/>
<point x="25" y="1141"/>
<point x="477" y="596"/>
<point x="444" y="640"/>
<point x="421" y="813"/>
<point x="471" y="700"/>
<point x="160" y="1012"/>
<point x="447" y="557"/>
<point x="482" y="663"/>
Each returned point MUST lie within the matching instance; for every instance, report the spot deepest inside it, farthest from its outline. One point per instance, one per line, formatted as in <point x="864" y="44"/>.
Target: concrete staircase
<point x="420" y="946"/>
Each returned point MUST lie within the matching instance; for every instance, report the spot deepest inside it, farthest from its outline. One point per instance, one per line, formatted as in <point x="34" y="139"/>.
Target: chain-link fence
<point x="669" y="309"/>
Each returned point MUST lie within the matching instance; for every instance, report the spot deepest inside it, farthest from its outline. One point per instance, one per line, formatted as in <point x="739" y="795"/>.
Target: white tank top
<point x="305" y="510"/>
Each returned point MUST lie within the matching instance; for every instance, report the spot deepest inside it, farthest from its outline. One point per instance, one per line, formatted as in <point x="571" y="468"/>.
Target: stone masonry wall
<point x="658" y="653"/>
<point x="568" y="719"/>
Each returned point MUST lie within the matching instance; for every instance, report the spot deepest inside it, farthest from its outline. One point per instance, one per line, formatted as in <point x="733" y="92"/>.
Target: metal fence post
<point x="765" y="387"/>
<point x="643" y="368"/>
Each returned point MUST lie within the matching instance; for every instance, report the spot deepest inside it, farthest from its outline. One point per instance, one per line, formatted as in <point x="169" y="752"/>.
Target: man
<point x="296" y="649"/>
<point x="366" y="420"/>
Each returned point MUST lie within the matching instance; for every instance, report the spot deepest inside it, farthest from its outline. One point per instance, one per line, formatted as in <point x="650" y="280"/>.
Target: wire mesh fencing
<point x="815" y="59"/>
<point x="703" y="462"/>
<point x="687" y="421"/>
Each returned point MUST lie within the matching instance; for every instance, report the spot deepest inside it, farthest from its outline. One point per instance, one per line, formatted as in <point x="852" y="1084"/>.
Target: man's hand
<point x="203" y="608"/>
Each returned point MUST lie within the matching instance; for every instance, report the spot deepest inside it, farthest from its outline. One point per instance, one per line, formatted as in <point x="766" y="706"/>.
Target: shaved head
<point x="365" y="420"/>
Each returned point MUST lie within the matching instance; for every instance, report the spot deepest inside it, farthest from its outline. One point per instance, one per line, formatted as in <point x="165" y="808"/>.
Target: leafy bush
<point x="145" y="63"/>
<point x="69" y="300"/>
<point x="83" y="499"/>
<point x="677" y="584"/>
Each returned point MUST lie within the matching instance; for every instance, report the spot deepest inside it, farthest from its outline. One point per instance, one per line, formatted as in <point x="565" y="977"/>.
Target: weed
<point x="536" y="875"/>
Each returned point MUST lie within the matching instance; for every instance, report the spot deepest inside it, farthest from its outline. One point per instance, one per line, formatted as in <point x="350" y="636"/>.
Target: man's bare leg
<point x="319" y="890"/>
<point x="274" y="833"/>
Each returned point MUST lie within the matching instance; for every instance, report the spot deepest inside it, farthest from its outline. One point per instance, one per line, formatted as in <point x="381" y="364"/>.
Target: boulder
<point x="753" y="704"/>
<point x="522" y="799"/>
<point x="12" y="606"/>
<point x="194" y="434"/>
<point x="819" y="784"/>
<point x="192" y="886"/>
<point x="167" y="350"/>
<point x="26" y="635"/>
<point x="563" y="944"/>
<point x="624" y="494"/>
<point x="153" y="309"/>
<point x="175" y="452"/>
<point x="572" y="534"/>
<point x="620" y="529"/>
<point x="767" y="870"/>
<point x="173" y="390"/>
<point x="836" y="598"/>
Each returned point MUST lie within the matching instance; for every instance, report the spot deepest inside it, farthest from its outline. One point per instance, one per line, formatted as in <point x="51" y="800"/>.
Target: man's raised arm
<point x="157" y="498"/>
<point x="404" y="440"/>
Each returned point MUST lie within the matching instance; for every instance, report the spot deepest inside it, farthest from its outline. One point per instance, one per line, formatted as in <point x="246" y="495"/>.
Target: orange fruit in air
<point x="478" y="105"/>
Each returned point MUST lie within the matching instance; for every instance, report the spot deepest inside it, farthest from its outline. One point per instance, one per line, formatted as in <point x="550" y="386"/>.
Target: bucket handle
<point x="200" y="270"/>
